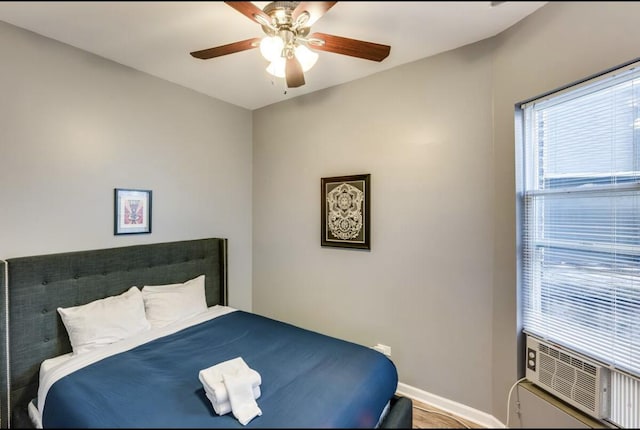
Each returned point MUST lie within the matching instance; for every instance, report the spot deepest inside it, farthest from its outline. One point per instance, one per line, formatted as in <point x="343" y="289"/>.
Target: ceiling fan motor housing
<point x="281" y="14"/>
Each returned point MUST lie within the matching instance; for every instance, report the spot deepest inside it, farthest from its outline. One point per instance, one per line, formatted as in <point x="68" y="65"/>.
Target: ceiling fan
<point x="287" y="25"/>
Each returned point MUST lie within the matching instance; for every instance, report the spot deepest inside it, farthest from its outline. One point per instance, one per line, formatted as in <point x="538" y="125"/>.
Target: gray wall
<point x="423" y="132"/>
<point x="437" y="136"/>
<point x="74" y="126"/>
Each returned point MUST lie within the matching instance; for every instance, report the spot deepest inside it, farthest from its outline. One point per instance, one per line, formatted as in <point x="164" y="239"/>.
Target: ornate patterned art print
<point x="132" y="211"/>
<point x="345" y="211"/>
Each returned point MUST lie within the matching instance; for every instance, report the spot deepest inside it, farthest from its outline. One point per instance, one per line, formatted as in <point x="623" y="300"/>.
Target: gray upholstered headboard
<point x="3" y="345"/>
<point x="38" y="285"/>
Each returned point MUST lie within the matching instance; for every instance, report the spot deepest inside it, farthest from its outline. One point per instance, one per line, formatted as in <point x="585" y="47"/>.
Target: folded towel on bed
<point x="218" y="390"/>
<point x="212" y="375"/>
<point x="220" y="408"/>
<point x="232" y="375"/>
<point x="223" y="408"/>
<point x="243" y="405"/>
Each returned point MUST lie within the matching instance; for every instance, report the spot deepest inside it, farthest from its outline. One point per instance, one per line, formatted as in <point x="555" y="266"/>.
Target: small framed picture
<point x="346" y="211"/>
<point x="132" y="211"/>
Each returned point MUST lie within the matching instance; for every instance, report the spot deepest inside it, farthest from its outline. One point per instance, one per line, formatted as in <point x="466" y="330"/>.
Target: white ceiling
<point x="156" y="37"/>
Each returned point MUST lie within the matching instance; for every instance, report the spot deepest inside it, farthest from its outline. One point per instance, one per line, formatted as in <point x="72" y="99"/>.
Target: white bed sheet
<point x="48" y="364"/>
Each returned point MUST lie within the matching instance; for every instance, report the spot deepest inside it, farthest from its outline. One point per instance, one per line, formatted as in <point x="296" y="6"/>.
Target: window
<point x="579" y="194"/>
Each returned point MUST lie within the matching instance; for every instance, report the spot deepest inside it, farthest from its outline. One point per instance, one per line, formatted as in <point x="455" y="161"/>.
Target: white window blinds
<point x="580" y="262"/>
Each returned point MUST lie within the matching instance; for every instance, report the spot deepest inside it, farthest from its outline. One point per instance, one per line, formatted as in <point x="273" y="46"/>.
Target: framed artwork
<point x="346" y="211"/>
<point x="132" y="211"/>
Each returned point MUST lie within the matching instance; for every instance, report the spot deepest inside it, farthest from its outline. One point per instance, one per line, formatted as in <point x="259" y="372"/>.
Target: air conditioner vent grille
<point x="546" y="378"/>
<point x="585" y="382"/>
<point x="586" y="399"/>
<point x="563" y="387"/>
<point x="547" y="363"/>
<point x="566" y="372"/>
<point x="590" y="369"/>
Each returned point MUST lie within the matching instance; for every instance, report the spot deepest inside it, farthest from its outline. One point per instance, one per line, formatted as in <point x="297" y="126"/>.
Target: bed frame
<point x="34" y="287"/>
<point x="4" y="318"/>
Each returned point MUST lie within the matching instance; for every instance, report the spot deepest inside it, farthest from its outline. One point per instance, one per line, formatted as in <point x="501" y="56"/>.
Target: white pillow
<point x="104" y="321"/>
<point x="165" y="304"/>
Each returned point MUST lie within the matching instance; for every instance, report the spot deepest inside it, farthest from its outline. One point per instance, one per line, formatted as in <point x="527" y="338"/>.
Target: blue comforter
<point x="308" y="380"/>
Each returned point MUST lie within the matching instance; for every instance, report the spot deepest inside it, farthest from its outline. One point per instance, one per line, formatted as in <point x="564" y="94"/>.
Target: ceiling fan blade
<point x="315" y="9"/>
<point x="294" y="74"/>
<point x="231" y="48"/>
<point x="352" y="47"/>
<point x="249" y="10"/>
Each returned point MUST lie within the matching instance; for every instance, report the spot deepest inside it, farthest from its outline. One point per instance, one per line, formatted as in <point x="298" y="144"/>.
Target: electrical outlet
<point x="386" y="350"/>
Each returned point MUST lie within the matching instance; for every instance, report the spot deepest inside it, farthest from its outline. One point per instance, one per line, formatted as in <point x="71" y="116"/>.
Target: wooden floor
<point x="428" y="417"/>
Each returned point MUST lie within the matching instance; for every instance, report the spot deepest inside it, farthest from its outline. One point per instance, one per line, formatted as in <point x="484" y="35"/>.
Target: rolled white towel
<point x="220" y="408"/>
<point x="243" y="405"/>
<point x="215" y="388"/>
<point x="212" y="375"/>
<point x="218" y="390"/>
<point x="223" y="408"/>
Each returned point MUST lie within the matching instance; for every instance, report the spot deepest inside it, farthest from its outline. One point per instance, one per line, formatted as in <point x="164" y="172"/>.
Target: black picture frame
<point x="346" y="211"/>
<point x="132" y="211"/>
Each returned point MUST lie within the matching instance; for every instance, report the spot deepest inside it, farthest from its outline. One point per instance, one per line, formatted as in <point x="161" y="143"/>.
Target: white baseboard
<point x="463" y="411"/>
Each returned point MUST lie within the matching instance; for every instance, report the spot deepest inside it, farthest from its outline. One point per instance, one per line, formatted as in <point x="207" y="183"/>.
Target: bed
<point x="307" y="379"/>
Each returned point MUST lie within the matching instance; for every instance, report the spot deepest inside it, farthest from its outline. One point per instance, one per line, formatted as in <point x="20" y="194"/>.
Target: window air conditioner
<point x="568" y="376"/>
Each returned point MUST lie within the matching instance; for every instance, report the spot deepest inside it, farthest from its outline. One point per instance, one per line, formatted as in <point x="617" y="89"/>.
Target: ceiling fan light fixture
<point x="306" y="57"/>
<point x="277" y="67"/>
<point x="271" y="47"/>
<point x="302" y="19"/>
